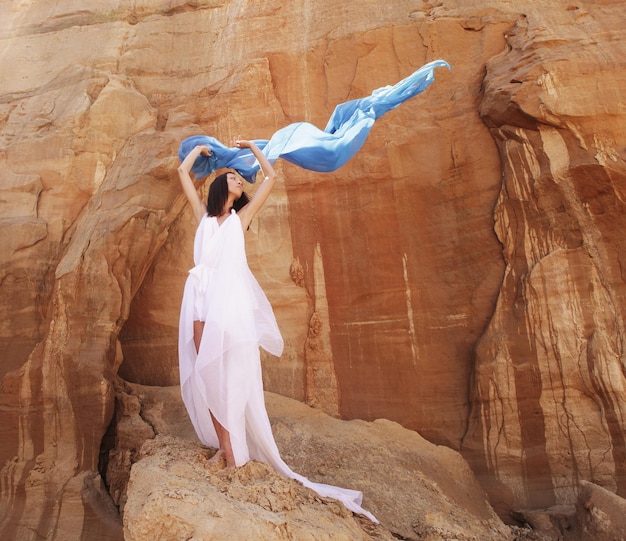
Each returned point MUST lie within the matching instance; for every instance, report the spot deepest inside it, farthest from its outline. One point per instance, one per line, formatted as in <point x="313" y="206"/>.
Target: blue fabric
<point x="307" y="146"/>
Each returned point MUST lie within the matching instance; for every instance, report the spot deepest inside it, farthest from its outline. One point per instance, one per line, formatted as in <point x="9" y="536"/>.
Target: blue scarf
<point x="307" y="146"/>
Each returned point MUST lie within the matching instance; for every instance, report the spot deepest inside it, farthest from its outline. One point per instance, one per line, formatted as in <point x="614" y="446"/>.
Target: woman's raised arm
<point x="198" y="207"/>
<point x="263" y="191"/>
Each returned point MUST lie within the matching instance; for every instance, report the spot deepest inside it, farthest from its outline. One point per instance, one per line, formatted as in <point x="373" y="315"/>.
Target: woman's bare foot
<point x="217" y="457"/>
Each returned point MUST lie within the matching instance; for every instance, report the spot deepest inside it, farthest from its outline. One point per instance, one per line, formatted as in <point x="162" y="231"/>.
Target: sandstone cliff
<point x="462" y="276"/>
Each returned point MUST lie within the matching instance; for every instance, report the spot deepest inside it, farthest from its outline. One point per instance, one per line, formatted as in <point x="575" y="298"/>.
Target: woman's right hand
<point x="204" y="150"/>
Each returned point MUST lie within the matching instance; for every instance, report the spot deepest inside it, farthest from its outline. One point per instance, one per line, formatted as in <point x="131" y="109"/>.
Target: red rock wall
<point x="548" y="391"/>
<point x="462" y="275"/>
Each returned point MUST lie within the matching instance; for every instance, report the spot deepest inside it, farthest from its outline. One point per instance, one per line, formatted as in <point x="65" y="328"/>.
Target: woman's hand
<point x="242" y="143"/>
<point x="189" y="160"/>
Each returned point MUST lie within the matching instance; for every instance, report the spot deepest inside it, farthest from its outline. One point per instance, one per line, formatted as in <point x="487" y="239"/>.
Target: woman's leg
<point x="198" y="329"/>
<point x="223" y="437"/>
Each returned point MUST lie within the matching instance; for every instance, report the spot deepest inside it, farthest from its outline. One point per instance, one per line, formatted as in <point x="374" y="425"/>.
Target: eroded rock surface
<point x="174" y="493"/>
<point x="416" y="489"/>
<point x="548" y="392"/>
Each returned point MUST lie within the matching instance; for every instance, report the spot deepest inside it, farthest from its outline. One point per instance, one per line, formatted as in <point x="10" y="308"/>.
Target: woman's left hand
<point x="242" y="143"/>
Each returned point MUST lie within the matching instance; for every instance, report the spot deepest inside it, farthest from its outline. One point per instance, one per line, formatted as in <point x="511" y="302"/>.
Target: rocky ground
<point x="166" y="487"/>
<point x="416" y="489"/>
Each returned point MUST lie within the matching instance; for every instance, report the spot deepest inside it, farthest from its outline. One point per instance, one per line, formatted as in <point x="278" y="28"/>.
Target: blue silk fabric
<point x="307" y="146"/>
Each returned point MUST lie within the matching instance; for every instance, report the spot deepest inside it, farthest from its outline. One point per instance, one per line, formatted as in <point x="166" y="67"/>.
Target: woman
<point x="225" y="318"/>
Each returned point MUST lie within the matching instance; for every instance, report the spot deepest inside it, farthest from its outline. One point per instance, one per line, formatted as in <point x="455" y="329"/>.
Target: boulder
<point x="417" y="490"/>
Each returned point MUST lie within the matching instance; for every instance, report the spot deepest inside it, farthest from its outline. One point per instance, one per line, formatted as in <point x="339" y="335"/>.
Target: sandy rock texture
<point x="597" y="515"/>
<point x="170" y="498"/>
<point x="461" y="277"/>
<point x="416" y="489"/>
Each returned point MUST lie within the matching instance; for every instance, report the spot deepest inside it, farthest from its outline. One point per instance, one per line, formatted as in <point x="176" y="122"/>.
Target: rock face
<point x="462" y="276"/>
<point x="548" y="398"/>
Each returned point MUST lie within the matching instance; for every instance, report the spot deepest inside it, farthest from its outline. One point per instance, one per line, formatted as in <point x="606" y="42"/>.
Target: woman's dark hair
<point x="218" y="195"/>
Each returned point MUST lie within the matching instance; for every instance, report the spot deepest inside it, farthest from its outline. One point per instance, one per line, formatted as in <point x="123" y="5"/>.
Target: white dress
<point x="224" y="377"/>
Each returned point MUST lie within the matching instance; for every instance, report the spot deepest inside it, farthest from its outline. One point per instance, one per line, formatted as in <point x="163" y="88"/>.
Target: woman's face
<point x="235" y="185"/>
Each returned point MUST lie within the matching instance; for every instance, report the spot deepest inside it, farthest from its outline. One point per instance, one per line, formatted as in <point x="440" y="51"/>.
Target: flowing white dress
<point x="224" y="377"/>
